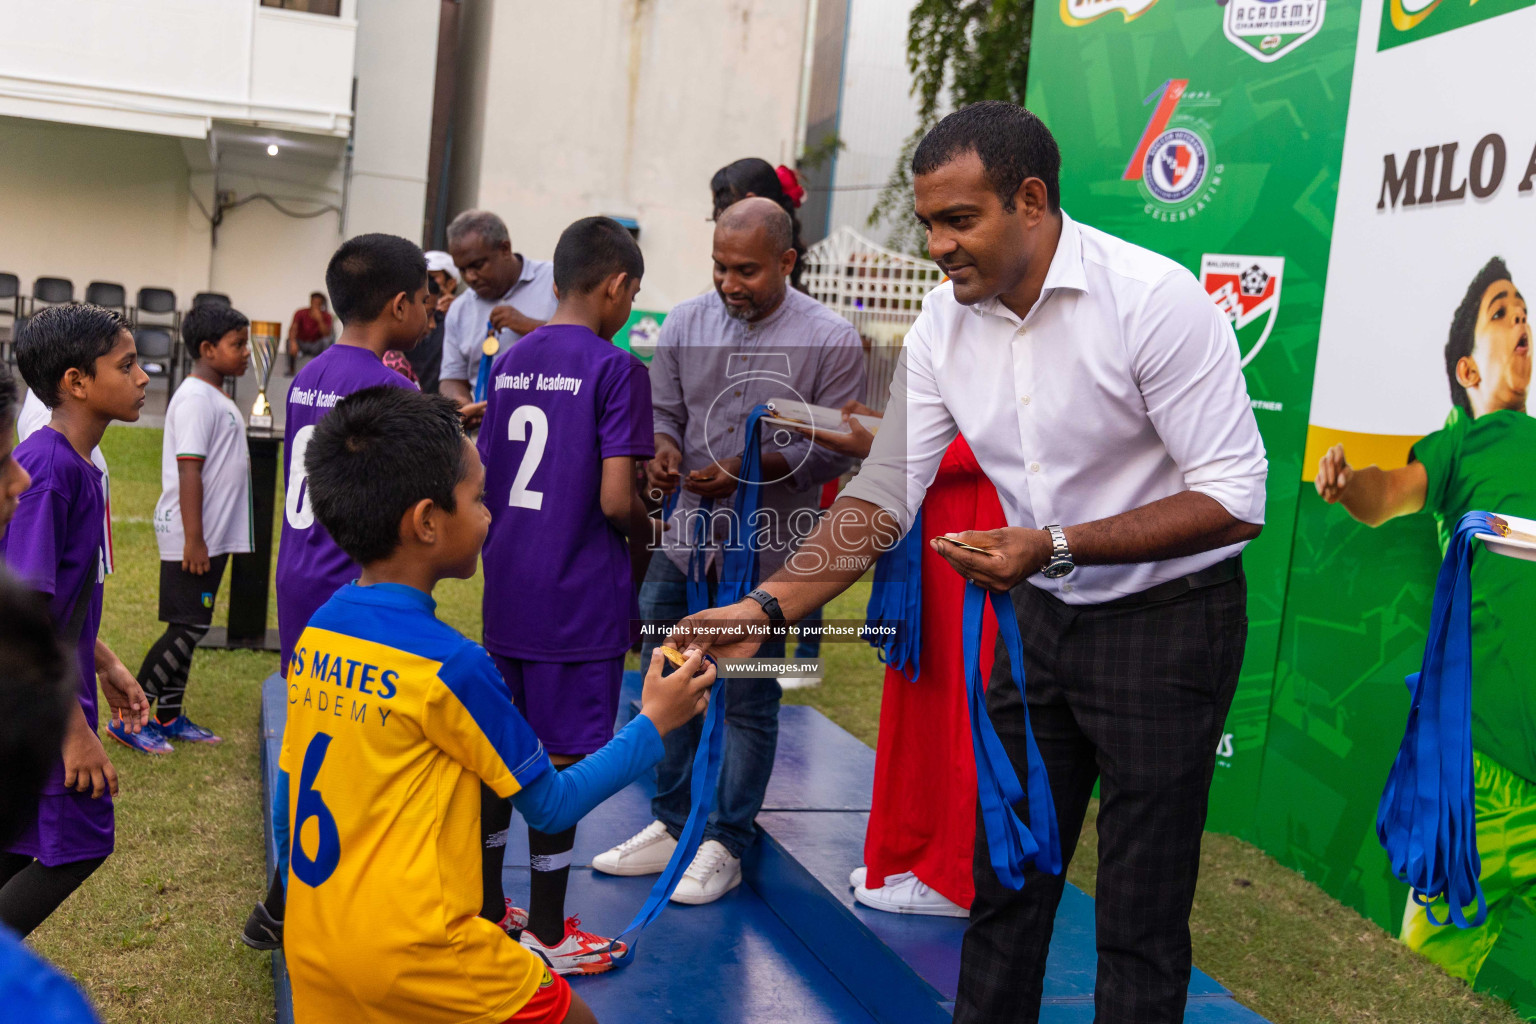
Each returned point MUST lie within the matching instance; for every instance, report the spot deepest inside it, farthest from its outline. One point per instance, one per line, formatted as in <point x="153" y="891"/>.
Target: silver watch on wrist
<point x="1061" y="556"/>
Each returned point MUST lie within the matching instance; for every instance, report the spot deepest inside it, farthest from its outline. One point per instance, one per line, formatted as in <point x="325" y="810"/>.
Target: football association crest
<point x="1247" y="290"/>
<point x="1173" y="160"/>
<point x="1269" y="29"/>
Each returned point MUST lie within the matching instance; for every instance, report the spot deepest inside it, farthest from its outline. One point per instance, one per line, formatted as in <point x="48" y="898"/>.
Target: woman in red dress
<point x="922" y="817"/>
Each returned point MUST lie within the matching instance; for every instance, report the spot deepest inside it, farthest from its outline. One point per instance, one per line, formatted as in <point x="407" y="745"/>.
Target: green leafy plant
<point x="959" y="52"/>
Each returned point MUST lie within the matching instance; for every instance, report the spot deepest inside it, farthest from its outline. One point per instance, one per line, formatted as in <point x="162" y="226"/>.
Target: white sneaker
<point x="644" y="853"/>
<point x="798" y="682"/>
<point x="713" y="873"/>
<point x="856" y="876"/>
<point x="904" y="894"/>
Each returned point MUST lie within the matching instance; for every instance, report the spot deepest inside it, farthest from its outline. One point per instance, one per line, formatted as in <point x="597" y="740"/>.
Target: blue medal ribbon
<point x="1010" y="845"/>
<point x="896" y="602"/>
<point x="740" y="557"/>
<point x="1427" y="821"/>
<point x="483" y="378"/>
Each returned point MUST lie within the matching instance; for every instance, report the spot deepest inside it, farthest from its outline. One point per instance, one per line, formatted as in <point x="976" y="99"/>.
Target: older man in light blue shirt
<point x="507" y="294"/>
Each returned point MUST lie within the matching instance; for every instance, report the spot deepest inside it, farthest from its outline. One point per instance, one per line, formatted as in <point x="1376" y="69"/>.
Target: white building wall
<point x="396" y="67"/>
<point x="628" y="107"/>
<point x="95" y="204"/>
<point x="878" y="111"/>
<point x="200" y="89"/>
<point x="172" y="67"/>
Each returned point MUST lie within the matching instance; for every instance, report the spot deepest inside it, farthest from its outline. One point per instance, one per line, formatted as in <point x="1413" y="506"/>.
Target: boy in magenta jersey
<point x="378" y="286"/>
<point x="81" y="361"/>
<point x="568" y="413"/>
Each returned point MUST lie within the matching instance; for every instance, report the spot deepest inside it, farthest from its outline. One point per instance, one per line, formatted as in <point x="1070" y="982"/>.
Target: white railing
<point x="878" y="290"/>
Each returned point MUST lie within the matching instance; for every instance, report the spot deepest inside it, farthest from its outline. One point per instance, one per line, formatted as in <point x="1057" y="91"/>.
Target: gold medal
<point x="490" y="346"/>
<point x="673" y="655"/>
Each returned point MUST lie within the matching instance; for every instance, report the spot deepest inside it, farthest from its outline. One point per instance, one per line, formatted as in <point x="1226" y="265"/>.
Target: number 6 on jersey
<point x="527" y="423"/>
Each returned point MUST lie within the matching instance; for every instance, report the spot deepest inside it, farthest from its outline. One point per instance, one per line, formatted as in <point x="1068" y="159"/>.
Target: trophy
<point x="265" y="336"/>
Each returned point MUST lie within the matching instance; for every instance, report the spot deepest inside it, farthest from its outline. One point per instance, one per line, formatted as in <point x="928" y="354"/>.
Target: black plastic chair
<point x="156" y="302"/>
<point x="10" y="292"/>
<point x="111" y="296"/>
<point x="157" y="353"/>
<point x="52" y="291"/>
<point x="210" y="299"/>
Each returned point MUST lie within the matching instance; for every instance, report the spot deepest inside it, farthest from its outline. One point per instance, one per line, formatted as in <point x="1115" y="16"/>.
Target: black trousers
<point x="1134" y="696"/>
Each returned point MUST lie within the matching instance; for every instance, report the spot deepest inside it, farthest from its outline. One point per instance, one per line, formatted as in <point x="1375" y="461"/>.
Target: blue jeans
<point x="810" y="643"/>
<point x="751" y="729"/>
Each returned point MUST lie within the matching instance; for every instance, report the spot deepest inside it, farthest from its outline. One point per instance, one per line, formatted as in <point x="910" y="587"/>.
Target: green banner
<point x="1212" y="133"/>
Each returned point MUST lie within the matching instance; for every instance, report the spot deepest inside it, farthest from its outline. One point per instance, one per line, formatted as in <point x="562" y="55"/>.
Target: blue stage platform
<point x="790" y="945"/>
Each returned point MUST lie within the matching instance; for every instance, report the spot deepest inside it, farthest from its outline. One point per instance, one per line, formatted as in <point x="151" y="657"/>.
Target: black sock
<point x="495" y="816"/>
<point x="277" y="898"/>
<point x="164" y="672"/>
<point x="550" y="870"/>
<point x="549" y="856"/>
<point x="35" y="891"/>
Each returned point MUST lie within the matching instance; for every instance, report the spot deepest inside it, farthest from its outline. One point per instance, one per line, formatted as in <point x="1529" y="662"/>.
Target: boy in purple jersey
<point x="567" y="415"/>
<point x="378" y="286"/>
<point x="81" y="361"/>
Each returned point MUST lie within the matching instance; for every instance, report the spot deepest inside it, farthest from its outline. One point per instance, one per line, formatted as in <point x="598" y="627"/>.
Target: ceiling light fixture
<point x="272" y="149"/>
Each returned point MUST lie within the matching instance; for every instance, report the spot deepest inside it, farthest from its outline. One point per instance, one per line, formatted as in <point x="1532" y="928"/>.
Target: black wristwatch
<point x="770" y="605"/>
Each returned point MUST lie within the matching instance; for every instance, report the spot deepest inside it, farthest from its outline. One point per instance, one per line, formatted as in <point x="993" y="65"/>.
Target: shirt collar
<point x="397" y="594"/>
<point x="524" y="277"/>
<point x="1066" y="271"/>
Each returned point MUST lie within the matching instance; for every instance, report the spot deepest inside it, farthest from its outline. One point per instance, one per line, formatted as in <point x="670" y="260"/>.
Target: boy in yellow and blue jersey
<point x="395" y="719"/>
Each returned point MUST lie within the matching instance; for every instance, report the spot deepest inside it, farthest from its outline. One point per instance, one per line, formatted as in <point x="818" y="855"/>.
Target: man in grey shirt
<point x="507" y="292"/>
<point x="753" y="340"/>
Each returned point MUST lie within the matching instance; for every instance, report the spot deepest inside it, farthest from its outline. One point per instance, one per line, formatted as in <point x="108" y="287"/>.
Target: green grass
<point x="151" y="936"/>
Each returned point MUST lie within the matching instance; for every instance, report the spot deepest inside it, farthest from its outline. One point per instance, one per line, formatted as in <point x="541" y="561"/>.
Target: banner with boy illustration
<point x="1425" y="349"/>
<point x="1215" y="132"/>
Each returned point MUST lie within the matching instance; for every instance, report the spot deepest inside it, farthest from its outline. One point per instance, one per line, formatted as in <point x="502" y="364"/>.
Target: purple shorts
<point x="571" y="705"/>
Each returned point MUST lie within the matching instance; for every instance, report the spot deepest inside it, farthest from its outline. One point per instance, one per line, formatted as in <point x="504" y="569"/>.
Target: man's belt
<point x="1224" y="571"/>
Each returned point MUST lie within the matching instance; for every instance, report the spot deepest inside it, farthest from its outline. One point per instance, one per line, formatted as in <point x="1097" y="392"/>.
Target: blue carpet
<point x="789" y="945"/>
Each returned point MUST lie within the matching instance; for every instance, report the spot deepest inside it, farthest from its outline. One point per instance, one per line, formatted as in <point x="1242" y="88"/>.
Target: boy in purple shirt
<point x="37" y="691"/>
<point x="567" y="416"/>
<point x="378" y="286"/>
<point x="81" y="361"/>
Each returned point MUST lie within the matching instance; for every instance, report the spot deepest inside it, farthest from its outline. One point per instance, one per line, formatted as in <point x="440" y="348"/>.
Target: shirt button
<point x="1025" y="399"/>
<point x="1067" y="587"/>
<point x="1034" y="467"/>
<point x="738" y="394"/>
<point x="1022" y="331"/>
<point x="730" y="430"/>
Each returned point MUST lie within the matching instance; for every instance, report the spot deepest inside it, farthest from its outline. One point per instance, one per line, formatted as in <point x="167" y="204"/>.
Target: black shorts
<point x="187" y="599"/>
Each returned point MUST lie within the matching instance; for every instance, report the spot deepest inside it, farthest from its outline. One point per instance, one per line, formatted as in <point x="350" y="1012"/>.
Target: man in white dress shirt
<point x="1101" y="392"/>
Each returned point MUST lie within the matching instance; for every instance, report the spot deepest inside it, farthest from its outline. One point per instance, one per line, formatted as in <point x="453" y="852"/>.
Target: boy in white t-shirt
<point x="203" y="516"/>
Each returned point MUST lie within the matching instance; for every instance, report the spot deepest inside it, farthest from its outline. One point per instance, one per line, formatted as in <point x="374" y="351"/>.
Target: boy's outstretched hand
<point x="124" y="694"/>
<point x="672" y="700"/>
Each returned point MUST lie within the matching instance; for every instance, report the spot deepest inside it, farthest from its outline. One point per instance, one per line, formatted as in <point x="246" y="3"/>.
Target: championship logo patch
<point x="1269" y="29"/>
<point x="207" y="600"/>
<point x="1247" y="290"/>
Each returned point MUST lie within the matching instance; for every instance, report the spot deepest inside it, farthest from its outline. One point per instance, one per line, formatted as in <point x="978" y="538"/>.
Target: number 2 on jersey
<point x="527" y="423"/>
